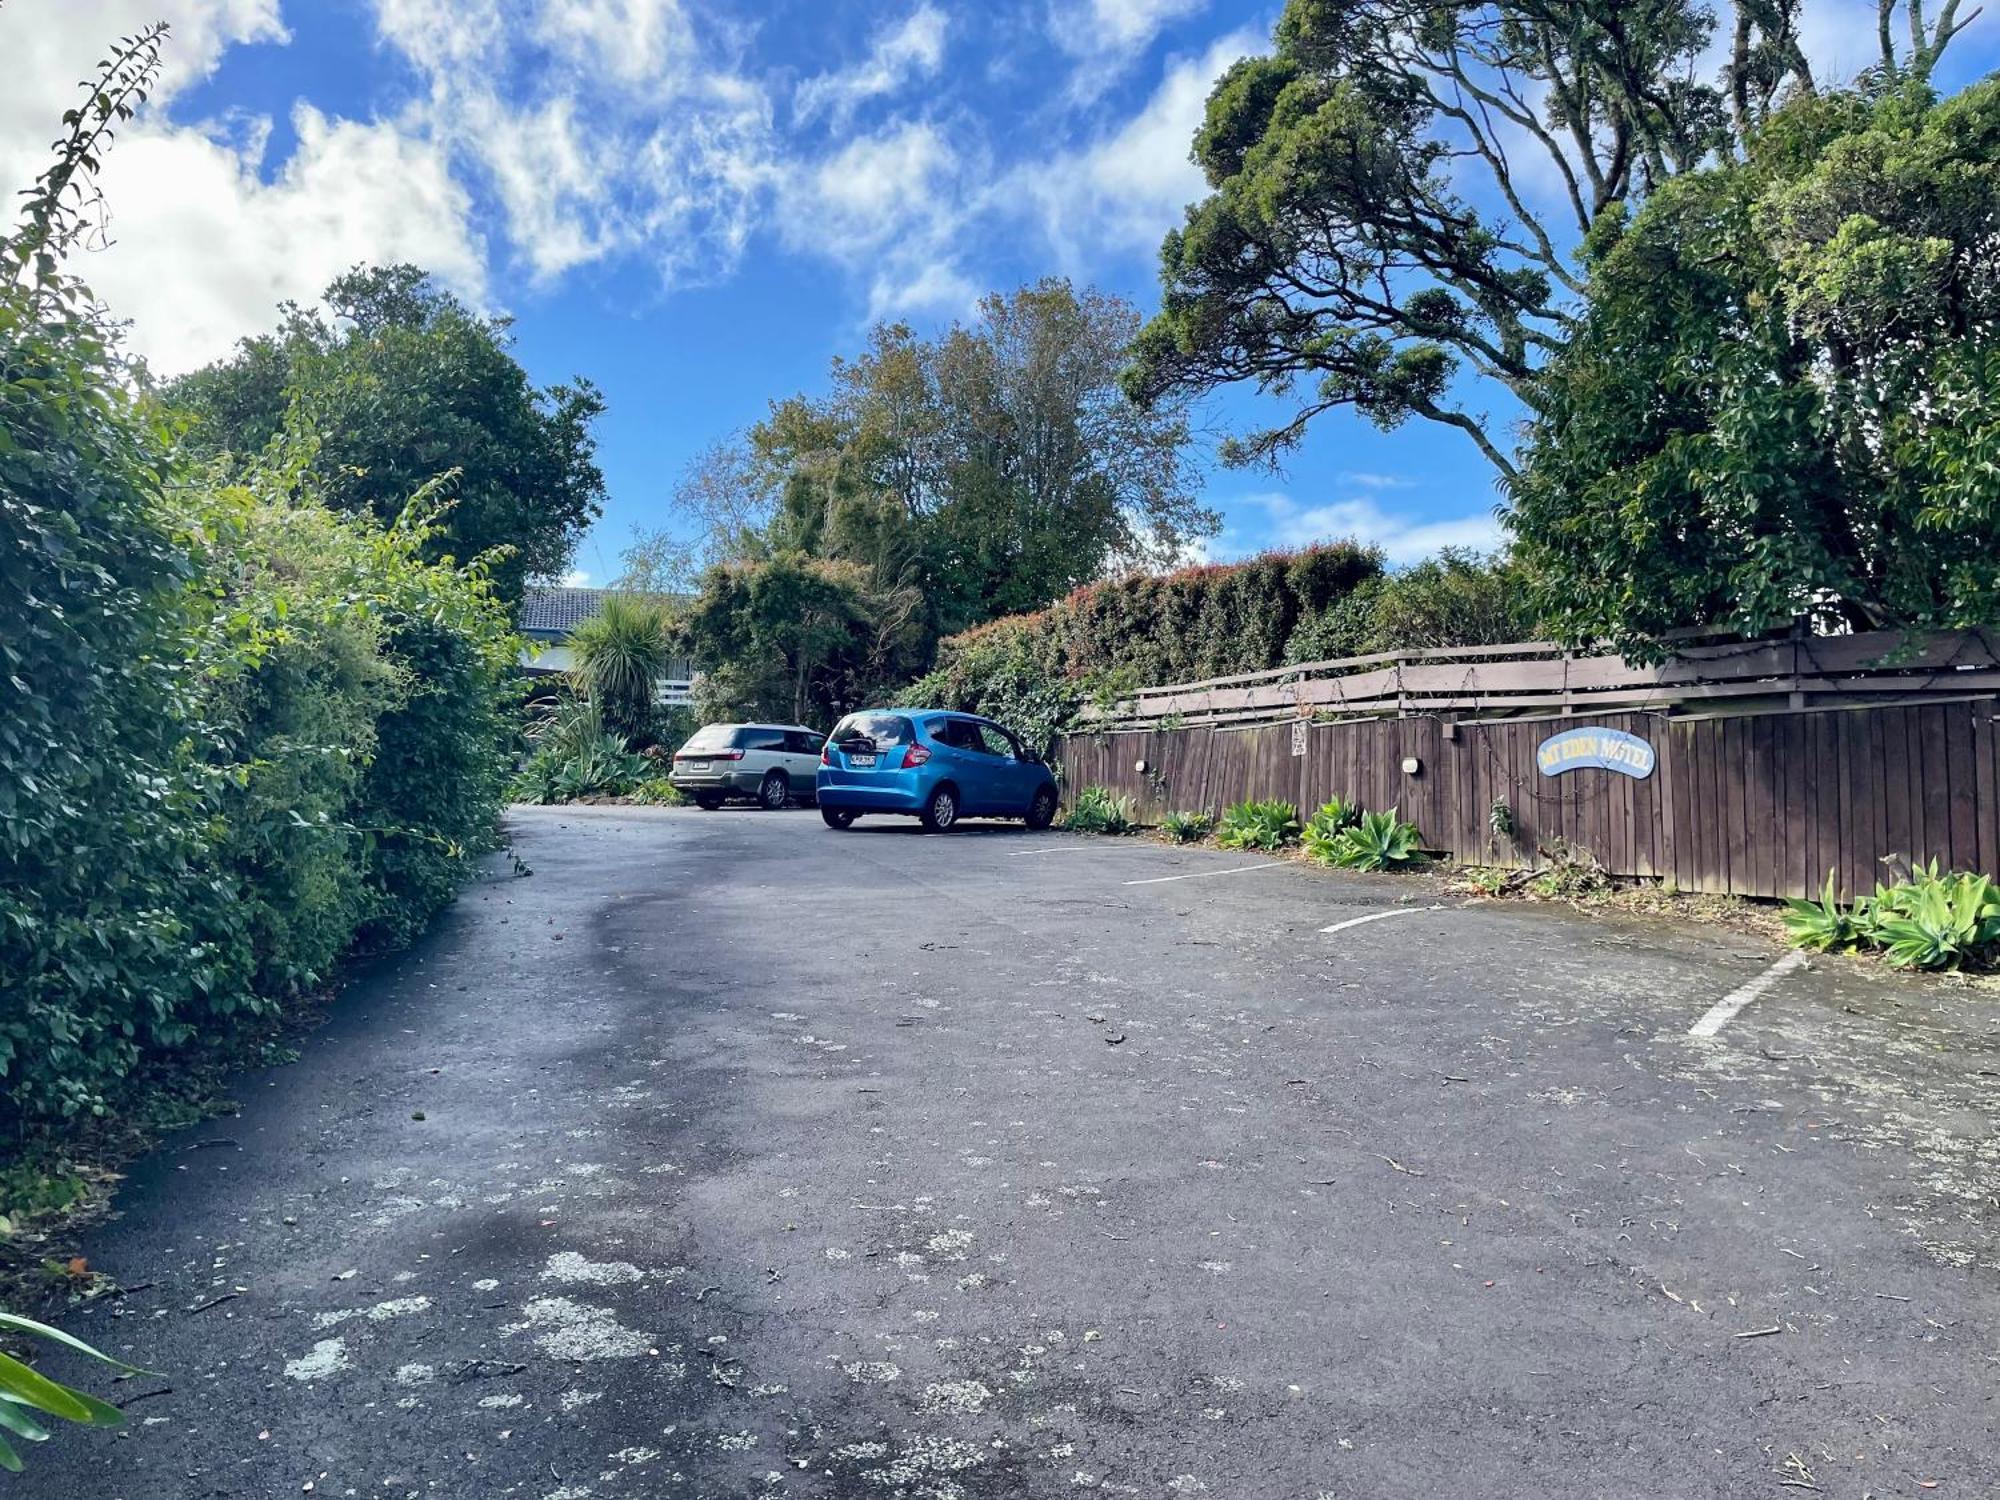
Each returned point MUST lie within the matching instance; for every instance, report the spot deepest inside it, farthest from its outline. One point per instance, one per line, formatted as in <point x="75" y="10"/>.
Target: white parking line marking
<point x="1725" y="1010"/>
<point x="1065" y="849"/>
<point x="1380" y="916"/>
<point x="1269" y="864"/>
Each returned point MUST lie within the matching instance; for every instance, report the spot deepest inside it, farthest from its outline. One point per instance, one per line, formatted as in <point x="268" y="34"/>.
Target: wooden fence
<point x="1761" y="804"/>
<point x="1536" y="677"/>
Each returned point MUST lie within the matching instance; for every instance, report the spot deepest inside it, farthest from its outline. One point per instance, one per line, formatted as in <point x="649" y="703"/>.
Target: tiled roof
<point x="558" y="611"/>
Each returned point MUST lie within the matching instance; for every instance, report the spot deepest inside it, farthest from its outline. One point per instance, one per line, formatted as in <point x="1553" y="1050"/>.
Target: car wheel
<point x="1042" y="811"/>
<point x="836" y="817"/>
<point x="775" y="791"/>
<point x="707" y="801"/>
<point x="941" y="811"/>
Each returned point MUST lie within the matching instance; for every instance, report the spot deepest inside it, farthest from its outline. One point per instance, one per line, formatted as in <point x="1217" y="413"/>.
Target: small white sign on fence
<point x="1299" y="727"/>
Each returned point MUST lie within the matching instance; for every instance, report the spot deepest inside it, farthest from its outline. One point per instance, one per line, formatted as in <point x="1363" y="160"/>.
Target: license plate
<point x="697" y="765"/>
<point x="861" y="762"/>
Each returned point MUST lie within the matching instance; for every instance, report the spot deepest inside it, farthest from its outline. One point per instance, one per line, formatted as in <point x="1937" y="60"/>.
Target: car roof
<point x="917" y="713"/>
<point x="758" y="724"/>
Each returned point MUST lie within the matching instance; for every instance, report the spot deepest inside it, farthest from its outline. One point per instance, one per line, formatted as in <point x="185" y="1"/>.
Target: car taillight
<point x="915" y="756"/>
<point x="728" y="755"/>
<point x="826" y="755"/>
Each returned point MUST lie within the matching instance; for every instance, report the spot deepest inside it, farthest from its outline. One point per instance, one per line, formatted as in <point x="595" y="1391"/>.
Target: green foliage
<point x="575" y="756"/>
<point x="27" y="1395"/>
<point x="1036" y="672"/>
<point x="1253" y="824"/>
<point x="1931" y="920"/>
<point x="621" y="653"/>
<point x="1783" y="401"/>
<point x="1097" y="811"/>
<point x="401" y="384"/>
<point x="1187" y="827"/>
<point x="1457" y="598"/>
<point x="1823" y="925"/>
<point x="1377" y="224"/>
<point x="657" y="791"/>
<point x="1325" y="827"/>
<point x="794" y="637"/>
<point x="1376" y="841"/>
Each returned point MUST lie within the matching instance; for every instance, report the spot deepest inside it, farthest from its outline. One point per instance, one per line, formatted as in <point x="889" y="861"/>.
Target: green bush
<point x="1324" y="828"/>
<point x="1035" y="672"/>
<point x="1269" y="824"/>
<point x="1377" y="841"/>
<point x="244" y="735"/>
<point x="575" y="756"/>
<point x="1932" y="920"/>
<point x="1187" y="827"/>
<point x="1097" y="811"/>
<point x="1457" y="598"/>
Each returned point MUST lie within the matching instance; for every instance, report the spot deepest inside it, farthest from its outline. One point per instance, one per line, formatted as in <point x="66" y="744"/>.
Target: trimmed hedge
<point x="242" y="734"/>
<point x="1033" y="671"/>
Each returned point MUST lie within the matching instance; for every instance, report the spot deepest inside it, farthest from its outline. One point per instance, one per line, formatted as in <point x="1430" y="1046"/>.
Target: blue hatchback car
<point x="933" y="765"/>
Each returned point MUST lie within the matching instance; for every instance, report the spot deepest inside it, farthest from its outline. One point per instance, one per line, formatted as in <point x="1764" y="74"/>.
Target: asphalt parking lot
<point x="728" y="1156"/>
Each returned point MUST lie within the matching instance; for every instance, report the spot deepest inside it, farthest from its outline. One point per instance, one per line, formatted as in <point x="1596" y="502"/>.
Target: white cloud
<point x="1124" y="191"/>
<point x="1103" y="31"/>
<point x="912" y="49"/>
<point x="1403" y="538"/>
<point x="203" y="245"/>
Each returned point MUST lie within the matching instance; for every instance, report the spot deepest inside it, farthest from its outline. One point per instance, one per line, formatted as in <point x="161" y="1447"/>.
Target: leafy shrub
<point x="1097" y="811"/>
<point x="658" y="792"/>
<point x="1457" y="598"/>
<point x="1187" y="827"/>
<point x="576" y="757"/>
<point x="1269" y="824"/>
<point x="1376" y="841"/>
<point x="1324" y="827"/>
<point x="1931" y="920"/>
<point x="1824" y="925"/>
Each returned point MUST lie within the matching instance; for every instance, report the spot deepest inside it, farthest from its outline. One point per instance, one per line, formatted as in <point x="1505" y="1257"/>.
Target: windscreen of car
<point x="881" y="729"/>
<point x="713" y="737"/>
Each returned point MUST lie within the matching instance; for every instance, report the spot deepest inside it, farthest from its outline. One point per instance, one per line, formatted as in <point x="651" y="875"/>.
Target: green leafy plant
<point x="622" y="652"/>
<point x="1934" y="921"/>
<point x="1097" y="811"/>
<point x="1323" y="828"/>
<point x="1254" y="824"/>
<point x="576" y="757"/>
<point x="1187" y="827"/>
<point x="1823" y="925"/>
<point x="1379" y="841"/>
<point x="1484" y="880"/>
<point x="27" y="1395"/>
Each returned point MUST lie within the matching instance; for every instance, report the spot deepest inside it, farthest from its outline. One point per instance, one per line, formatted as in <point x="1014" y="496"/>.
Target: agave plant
<point x="1324" y="827"/>
<point x="27" y="1395"/>
<point x="1266" y="824"/>
<point x="1187" y="827"/>
<point x="1823" y="925"/>
<point x="1379" y="841"/>
<point x="1934" y="921"/>
<point x="1097" y="811"/>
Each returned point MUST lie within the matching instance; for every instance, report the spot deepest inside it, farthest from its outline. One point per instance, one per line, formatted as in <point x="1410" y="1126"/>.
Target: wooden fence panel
<point x="1757" y="804"/>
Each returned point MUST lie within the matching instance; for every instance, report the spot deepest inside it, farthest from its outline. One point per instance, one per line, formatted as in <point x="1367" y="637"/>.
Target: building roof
<point x="558" y="611"/>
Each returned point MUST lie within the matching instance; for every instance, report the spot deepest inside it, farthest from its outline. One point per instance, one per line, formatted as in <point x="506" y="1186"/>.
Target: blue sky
<point x="697" y="203"/>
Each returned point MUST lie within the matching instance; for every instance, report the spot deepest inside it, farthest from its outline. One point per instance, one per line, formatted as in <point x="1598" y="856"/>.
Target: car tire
<point x="1042" y="811"/>
<point x="836" y="817"/>
<point x="707" y="801"/>
<point x="941" y="811"/>
<point x="774" y="791"/>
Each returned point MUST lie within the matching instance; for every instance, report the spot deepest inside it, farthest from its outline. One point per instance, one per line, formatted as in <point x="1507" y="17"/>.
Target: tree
<point x="1372" y="236"/>
<point x="400" y="382"/>
<point x="1783" y="400"/>
<point x="621" y="653"/>
<point x="992" y="469"/>
<point x="794" y="636"/>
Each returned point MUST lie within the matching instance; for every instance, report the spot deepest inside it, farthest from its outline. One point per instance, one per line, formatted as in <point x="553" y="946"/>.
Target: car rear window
<point x="714" y="737"/>
<point x="883" y="729"/>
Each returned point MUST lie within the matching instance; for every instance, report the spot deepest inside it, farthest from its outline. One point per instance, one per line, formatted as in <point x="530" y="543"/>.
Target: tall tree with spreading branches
<point x="1380" y="222"/>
